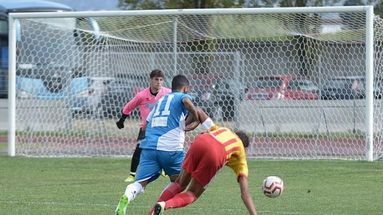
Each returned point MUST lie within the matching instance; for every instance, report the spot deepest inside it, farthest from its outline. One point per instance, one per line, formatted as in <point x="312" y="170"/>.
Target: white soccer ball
<point x="272" y="186"/>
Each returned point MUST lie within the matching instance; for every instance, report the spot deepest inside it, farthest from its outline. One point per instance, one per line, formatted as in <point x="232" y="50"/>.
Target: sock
<point x="132" y="190"/>
<point x="135" y="159"/>
<point x="180" y="200"/>
<point x="169" y="192"/>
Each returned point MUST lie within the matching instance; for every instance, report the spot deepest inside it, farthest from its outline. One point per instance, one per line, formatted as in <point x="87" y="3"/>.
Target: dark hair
<point x="157" y="73"/>
<point x="244" y="138"/>
<point x="179" y="81"/>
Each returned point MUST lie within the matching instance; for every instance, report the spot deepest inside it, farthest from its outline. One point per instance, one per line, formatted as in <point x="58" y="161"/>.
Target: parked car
<point x="216" y="94"/>
<point x="352" y="87"/>
<point x="224" y="95"/>
<point x="343" y="88"/>
<point x="199" y="88"/>
<point x="282" y="87"/>
<point x="120" y="91"/>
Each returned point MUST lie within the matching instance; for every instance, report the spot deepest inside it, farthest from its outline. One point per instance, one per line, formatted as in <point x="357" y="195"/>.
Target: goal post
<point x="369" y="83"/>
<point x="276" y="73"/>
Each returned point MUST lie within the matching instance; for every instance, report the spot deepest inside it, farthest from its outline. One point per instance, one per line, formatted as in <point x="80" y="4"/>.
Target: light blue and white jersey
<point x="166" y="124"/>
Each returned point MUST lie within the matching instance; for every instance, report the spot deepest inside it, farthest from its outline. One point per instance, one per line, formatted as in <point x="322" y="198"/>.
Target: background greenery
<point x="183" y="4"/>
<point x="94" y="185"/>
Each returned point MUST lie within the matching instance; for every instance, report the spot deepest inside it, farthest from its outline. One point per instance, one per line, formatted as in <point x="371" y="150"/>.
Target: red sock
<point x="180" y="200"/>
<point x="168" y="193"/>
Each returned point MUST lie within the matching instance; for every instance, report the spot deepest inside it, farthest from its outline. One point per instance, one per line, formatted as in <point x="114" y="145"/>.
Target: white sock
<point x="208" y="123"/>
<point x="132" y="190"/>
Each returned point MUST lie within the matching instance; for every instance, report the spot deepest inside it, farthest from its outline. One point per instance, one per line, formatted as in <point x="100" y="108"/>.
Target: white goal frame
<point x="368" y="10"/>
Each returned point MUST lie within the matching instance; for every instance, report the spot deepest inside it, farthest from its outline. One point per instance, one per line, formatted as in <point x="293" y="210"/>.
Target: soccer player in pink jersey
<point x="145" y="100"/>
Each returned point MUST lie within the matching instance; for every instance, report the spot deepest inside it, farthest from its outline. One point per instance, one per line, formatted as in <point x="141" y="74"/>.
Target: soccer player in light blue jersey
<point x="163" y="145"/>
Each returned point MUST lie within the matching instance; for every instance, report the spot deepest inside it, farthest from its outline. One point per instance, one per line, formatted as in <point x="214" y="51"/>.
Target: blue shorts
<point x="153" y="161"/>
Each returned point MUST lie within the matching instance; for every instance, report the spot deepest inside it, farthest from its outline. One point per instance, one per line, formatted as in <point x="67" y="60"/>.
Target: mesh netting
<point x="295" y="82"/>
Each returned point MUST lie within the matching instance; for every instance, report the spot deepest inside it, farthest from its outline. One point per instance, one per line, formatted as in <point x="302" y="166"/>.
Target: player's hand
<point x="120" y="123"/>
<point x="191" y="126"/>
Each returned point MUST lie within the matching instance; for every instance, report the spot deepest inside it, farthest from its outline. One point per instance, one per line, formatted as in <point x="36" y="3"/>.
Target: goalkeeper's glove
<point x="120" y="123"/>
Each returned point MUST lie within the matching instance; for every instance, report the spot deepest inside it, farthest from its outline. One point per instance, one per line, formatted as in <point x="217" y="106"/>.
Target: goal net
<point x="294" y="79"/>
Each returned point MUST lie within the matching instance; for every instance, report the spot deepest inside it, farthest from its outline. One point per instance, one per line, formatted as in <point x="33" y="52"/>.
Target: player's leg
<point x="179" y="185"/>
<point x="171" y="162"/>
<point x="193" y="192"/>
<point x="131" y="192"/>
<point x="202" y="163"/>
<point x="176" y="187"/>
<point x="149" y="172"/>
<point x="134" y="164"/>
<point x="136" y="157"/>
<point x="181" y="199"/>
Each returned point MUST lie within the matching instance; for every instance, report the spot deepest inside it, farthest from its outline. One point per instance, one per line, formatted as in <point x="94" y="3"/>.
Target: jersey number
<point x="160" y="118"/>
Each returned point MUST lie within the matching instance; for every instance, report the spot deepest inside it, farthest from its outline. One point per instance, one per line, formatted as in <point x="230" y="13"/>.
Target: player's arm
<point x="129" y="107"/>
<point x="245" y="195"/>
<point x="204" y="119"/>
<point x="193" y="114"/>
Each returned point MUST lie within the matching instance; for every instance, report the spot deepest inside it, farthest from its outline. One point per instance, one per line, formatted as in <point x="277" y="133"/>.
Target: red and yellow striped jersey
<point x="235" y="152"/>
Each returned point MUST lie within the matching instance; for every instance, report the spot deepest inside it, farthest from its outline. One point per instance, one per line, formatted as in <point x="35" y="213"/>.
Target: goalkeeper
<point x="209" y="152"/>
<point x="144" y="99"/>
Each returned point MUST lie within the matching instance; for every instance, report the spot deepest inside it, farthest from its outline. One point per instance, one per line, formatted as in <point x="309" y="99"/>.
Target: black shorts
<point x="141" y="134"/>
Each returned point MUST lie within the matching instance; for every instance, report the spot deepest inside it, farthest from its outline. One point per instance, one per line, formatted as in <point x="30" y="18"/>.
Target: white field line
<point x="147" y="207"/>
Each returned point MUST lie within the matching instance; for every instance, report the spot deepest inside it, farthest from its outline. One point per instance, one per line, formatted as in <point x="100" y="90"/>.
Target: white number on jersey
<point x="160" y="118"/>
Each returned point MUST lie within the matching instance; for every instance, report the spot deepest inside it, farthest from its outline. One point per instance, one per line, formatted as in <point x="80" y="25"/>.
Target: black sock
<point x="135" y="159"/>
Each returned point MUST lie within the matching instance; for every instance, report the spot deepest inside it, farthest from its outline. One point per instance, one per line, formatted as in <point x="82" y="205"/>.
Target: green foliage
<point x="177" y="4"/>
<point x="378" y="5"/>
<point x="183" y="4"/>
<point x="378" y="9"/>
<point x="37" y="186"/>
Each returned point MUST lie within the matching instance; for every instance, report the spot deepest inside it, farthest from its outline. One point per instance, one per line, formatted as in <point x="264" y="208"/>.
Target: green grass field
<point x="94" y="185"/>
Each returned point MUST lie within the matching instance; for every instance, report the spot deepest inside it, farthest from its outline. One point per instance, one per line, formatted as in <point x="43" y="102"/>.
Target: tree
<point x="378" y="9"/>
<point x="178" y="4"/>
<point x="378" y="5"/>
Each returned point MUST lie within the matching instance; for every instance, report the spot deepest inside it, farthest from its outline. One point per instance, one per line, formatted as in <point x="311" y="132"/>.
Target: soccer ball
<point x="272" y="186"/>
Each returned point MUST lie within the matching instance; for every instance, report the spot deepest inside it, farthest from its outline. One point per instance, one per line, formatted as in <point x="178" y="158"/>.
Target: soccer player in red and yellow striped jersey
<point x="210" y="151"/>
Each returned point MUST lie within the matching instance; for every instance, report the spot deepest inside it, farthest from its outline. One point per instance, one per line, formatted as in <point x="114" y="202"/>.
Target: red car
<point x="282" y="88"/>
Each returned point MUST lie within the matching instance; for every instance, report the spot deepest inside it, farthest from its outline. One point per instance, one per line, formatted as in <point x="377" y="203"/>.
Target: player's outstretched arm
<point x="193" y="113"/>
<point x="245" y="195"/>
<point x="129" y="107"/>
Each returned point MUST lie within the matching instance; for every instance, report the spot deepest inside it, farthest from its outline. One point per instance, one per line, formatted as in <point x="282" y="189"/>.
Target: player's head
<point x="180" y="84"/>
<point x="244" y="138"/>
<point x="157" y="78"/>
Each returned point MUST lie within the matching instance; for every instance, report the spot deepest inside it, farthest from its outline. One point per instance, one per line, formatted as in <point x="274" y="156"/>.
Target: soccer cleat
<point x="130" y="179"/>
<point x="163" y="174"/>
<point x="159" y="208"/>
<point x="122" y="205"/>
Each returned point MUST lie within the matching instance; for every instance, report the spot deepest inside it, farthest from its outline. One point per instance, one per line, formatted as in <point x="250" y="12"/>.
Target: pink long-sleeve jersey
<point x="146" y="101"/>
